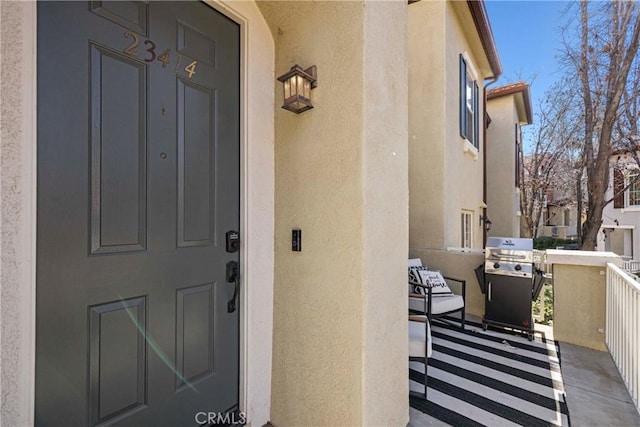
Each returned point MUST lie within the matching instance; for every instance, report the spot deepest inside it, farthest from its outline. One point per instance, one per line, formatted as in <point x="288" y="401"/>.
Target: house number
<point x="164" y="57"/>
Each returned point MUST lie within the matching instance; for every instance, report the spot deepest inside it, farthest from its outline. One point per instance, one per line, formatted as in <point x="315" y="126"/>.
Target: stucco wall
<point x="579" y="295"/>
<point x="427" y="113"/>
<point x="341" y="178"/>
<point x="501" y="168"/>
<point x="463" y="170"/>
<point x="444" y="178"/>
<point x="17" y="214"/>
<point x="386" y="222"/>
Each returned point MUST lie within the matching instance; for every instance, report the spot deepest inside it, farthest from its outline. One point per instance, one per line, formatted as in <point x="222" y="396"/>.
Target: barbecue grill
<point x="511" y="284"/>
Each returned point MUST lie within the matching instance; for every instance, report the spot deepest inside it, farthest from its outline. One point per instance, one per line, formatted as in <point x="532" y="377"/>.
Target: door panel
<point x="117" y="351"/>
<point x="118" y="152"/>
<point x="128" y="14"/>
<point x="194" y="334"/>
<point x="196" y="159"/>
<point x="138" y="179"/>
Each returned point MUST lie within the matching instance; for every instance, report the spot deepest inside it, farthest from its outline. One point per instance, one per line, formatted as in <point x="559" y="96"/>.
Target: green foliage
<point x="543" y="243"/>
<point x="547" y="300"/>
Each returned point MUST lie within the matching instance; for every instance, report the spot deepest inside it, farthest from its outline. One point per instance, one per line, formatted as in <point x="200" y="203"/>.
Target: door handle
<point x="489" y="292"/>
<point x="233" y="276"/>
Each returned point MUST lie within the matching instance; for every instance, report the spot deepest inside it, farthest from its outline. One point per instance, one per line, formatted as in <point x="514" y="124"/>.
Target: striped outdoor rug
<point x="490" y="378"/>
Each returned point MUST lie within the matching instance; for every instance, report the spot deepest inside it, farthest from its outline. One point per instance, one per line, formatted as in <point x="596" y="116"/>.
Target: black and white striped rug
<point x="490" y="378"/>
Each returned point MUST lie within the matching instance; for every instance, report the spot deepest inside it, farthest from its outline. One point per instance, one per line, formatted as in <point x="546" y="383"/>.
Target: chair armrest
<point x="463" y="284"/>
<point x="415" y="318"/>
<point x="426" y="296"/>
<point x="428" y="288"/>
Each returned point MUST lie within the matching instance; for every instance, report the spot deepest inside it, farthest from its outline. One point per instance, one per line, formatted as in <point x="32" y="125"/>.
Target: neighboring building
<point x="451" y="54"/>
<point x="620" y="230"/>
<point x="509" y="108"/>
<point x="560" y="219"/>
<point x="555" y="201"/>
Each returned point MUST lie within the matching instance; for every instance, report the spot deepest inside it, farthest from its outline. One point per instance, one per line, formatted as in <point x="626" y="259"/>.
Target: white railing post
<point x="623" y="327"/>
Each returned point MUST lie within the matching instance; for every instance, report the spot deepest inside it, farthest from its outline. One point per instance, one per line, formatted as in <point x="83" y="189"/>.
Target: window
<point x="469" y="103"/>
<point x="633" y="192"/>
<point x="466" y="230"/>
<point x="626" y="188"/>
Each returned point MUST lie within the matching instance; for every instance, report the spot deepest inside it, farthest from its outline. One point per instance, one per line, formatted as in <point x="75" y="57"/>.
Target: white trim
<point x="588" y="258"/>
<point x="617" y="227"/>
<point x="221" y="7"/>
<point x="257" y="213"/>
<point x="470" y="149"/>
<point x="627" y="193"/>
<point x="464" y="213"/>
<point x="30" y="129"/>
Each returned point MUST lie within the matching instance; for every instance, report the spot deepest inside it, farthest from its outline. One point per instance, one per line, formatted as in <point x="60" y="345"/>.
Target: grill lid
<point x="509" y="256"/>
<point x="510" y="244"/>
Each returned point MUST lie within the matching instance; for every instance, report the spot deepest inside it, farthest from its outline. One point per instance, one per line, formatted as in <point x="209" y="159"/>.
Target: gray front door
<point x="138" y="182"/>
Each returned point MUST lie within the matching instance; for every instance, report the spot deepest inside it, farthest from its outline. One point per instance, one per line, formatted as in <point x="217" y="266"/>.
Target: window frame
<point x="632" y="187"/>
<point x="468" y="80"/>
<point x="466" y="229"/>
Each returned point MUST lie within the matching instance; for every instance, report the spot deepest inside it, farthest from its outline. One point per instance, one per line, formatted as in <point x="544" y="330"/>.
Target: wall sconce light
<point x="297" y="88"/>
<point x="487" y="222"/>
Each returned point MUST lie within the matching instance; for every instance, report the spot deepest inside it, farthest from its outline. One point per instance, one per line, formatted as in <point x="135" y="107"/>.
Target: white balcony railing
<point x="631" y="266"/>
<point x="622" y="334"/>
<point x="540" y="261"/>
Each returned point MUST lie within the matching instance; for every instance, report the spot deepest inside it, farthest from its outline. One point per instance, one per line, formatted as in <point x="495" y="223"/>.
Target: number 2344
<point x="163" y="57"/>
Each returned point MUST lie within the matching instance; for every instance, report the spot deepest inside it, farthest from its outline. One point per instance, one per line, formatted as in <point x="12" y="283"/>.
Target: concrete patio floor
<point x="596" y="394"/>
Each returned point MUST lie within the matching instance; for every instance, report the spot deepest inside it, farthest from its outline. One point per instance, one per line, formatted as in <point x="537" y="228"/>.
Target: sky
<point x="527" y="35"/>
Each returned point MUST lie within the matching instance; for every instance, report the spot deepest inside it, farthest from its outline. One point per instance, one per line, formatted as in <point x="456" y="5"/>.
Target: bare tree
<point x="548" y="165"/>
<point x="608" y="46"/>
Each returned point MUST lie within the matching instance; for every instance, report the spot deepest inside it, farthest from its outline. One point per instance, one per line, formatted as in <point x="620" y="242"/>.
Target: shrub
<point x="542" y="243"/>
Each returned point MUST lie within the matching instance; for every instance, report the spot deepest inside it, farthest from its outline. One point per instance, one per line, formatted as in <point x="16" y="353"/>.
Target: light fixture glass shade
<point x="297" y="85"/>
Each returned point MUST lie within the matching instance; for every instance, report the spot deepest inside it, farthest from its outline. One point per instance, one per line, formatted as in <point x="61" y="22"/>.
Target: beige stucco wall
<point x="427" y="113"/>
<point x="341" y="177"/>
<point x="386" y="221"/>
<point x="464" y="175"/>
<point x="502" y="195"/>
<point x="444" y="178"/>
<point x="579" y="295"/>
<point x="17" y="214"/>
